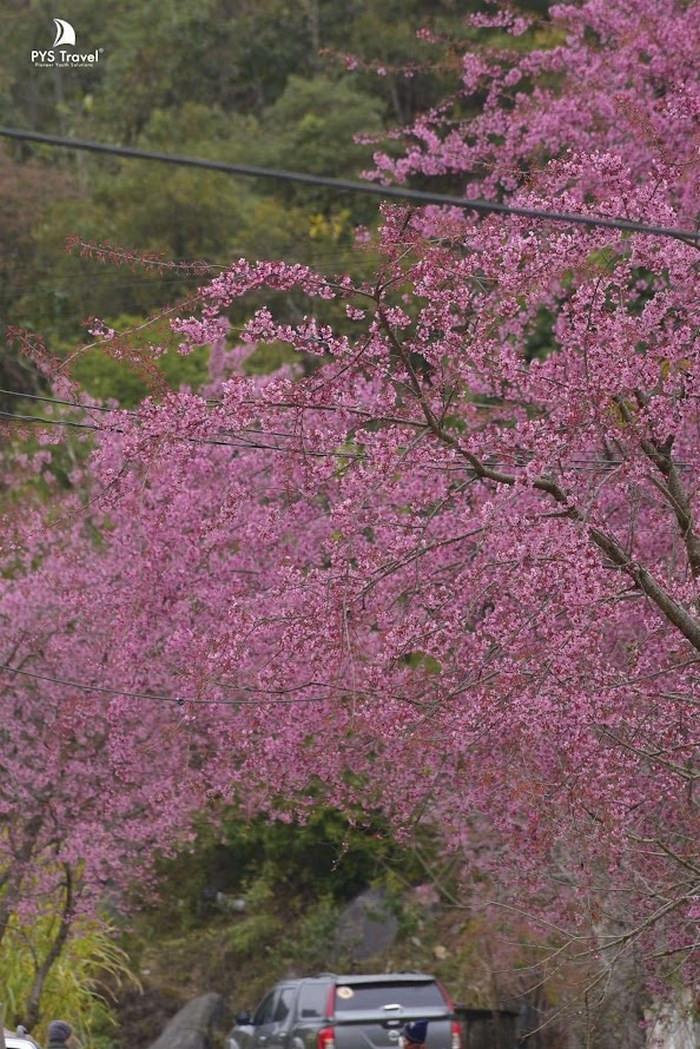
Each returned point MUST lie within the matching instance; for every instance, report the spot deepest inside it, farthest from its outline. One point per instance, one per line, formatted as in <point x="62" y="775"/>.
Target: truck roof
<point x="353" y="978"/>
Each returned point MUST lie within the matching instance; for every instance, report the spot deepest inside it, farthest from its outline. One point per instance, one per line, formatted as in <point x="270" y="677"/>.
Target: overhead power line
<point x="157" y="697"/>
<point x="17" y="417"/>
<point x="415" y="196"/>
<point x="243" y="440"/>
<point x="240" y="443"/>
<point x="60" y="400"/>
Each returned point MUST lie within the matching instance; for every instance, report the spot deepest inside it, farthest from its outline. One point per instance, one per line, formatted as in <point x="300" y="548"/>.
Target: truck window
<point x="284" y="1004"/>
<point x="369" y="996"/>
<point x="263" y="1013"/>
<point x="313" y="999"/>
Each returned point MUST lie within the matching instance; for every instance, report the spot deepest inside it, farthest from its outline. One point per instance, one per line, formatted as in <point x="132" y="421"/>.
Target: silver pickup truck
<point x="348" y="1012"/>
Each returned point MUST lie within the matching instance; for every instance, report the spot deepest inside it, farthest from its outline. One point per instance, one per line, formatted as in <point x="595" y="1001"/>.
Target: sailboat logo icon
<point x="58" y="56"/>
<point x="65" y="33"/>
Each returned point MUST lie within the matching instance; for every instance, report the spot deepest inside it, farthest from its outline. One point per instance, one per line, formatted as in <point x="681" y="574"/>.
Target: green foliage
<point x="204" y="51"/>
<point x="269" y="357"/>
<point x="308" y="947"/>
<point x="324" y="858"/>
<point x="184" y="213"/>
<point x="239" y="83"/>
<point x="74" y="986"/>
<point x="424" y="661"/>
<point x="308" y="121"/>
<point x="107" y="378"/>
<point x="540" y="341"/>
<point x="254" y="935"/>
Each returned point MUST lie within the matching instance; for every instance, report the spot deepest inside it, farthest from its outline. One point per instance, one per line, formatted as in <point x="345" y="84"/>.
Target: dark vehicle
<point x="348" y="1012"/>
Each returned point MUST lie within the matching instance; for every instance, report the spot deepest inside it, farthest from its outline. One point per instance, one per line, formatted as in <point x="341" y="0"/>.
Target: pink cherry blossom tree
<point x="451" y="570"/>
<point x="94" y="785"/>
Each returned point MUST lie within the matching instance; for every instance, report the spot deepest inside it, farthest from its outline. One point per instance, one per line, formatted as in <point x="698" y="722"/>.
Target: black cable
<point x="57" y="422"/>
<point x="484" y="207"/>
<point x="244" y="442"/>
<point x="240" y="443"/>
<point x="67" y="404"/>
<point x="179" y="700"/>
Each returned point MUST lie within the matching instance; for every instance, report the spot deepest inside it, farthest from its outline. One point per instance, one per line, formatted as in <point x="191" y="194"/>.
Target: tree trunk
<point x="672" y="1024"/>
<point x="33" y="1006"/>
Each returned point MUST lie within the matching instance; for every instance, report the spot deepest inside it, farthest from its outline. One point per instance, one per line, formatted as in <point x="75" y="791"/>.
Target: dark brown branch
<point x="686" y="623"/>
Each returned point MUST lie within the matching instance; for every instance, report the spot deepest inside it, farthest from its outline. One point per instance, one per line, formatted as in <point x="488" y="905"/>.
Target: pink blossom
<point x="455" y="562"/>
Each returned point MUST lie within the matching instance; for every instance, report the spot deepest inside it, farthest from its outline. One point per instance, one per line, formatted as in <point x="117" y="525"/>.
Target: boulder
<point x="192" y="1027"/>
<point x="366" y="927"/>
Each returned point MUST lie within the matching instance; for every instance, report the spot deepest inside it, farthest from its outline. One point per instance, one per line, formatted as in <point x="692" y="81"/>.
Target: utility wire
<point x="57" y="422"/>
<point x="242" y="441"/>
<point x="70" y="404"/>
<point x="177" y="700"/>
<point x="318" y="247"/>
<point x="416" y="196"/>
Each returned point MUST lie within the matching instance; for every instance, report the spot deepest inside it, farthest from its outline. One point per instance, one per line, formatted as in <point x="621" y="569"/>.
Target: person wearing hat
<point x="59" y="1034"/>
<point x="415" y="1034"/>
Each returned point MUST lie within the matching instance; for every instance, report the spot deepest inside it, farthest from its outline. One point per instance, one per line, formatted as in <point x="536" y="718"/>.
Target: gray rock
<point x="192" y="1027"/>
<point x="366" y="927"/>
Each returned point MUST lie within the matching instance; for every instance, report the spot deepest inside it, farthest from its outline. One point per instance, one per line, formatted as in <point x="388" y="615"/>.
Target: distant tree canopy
<point x="263" y="82"/>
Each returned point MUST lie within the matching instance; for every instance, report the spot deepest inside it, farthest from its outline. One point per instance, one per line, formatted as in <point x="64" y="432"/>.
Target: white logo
<point x="57" y="57"/>
<point x="65" y="33"/>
